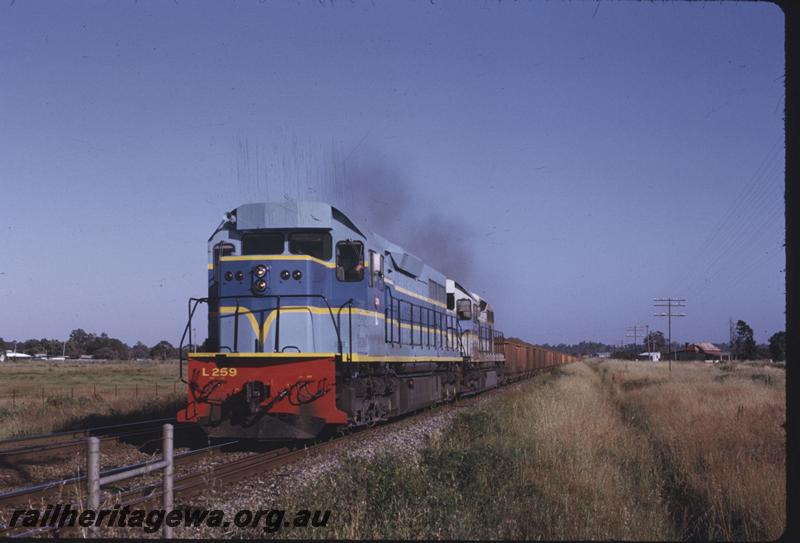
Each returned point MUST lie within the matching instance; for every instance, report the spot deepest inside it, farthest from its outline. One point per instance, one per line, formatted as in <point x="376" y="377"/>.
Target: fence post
<point x="115" y="390"/>
<point x="156" y="390"/>
<point x="14" y="398"/>
<point x="137" y="391"/>
<point x="42" y="396"/>
<point x="166" y="455"/>
<point x="93" y="478"/>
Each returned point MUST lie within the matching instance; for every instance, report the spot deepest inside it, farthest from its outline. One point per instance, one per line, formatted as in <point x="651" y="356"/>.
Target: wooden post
<point x="42" y="396"/>
<point x="156" y="390"/>
<point x="115" y="390"/>
<point x="14" y="398"/>
<point x="136" y="394"/>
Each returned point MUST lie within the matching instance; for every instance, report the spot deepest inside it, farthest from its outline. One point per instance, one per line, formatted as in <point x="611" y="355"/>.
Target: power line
<point x="635" y="331"/>
<point x="727" y="229"/>
<point x="669" y="303"/>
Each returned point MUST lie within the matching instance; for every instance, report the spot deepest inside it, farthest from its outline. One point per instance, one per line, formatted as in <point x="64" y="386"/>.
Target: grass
<point x="720" y="438"/>
<point x="46" y="396"/>
<point x="596" y="450"/>
<point x="604" y="450"/>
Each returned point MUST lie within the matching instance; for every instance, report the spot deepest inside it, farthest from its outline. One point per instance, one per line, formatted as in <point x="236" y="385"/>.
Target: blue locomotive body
<point x="295" y="283"/>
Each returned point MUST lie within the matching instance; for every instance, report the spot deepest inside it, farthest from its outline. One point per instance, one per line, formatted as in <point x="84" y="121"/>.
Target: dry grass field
<point x="45" y="396"/>
<point x="595" y="450"/>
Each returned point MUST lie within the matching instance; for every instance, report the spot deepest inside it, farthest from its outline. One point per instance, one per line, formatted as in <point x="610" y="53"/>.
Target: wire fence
<point x="47" y="394"/>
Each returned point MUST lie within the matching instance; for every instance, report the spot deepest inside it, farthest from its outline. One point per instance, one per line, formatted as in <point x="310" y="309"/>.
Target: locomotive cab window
<point x="350" y="261"/>
<point x="223" y="249"/>
<point x="262" y="243"/>
<point x="316" y="244"/>
<point x="375" y="268"/>
<point x="464" y="309"/>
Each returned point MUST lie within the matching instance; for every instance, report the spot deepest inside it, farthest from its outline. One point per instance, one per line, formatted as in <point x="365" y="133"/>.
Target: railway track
<point x="28" y="447"/>
<point x="186" y="485"/>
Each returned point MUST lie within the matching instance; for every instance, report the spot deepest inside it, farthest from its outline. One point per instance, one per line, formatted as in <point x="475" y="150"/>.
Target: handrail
<point x="349" y="304"/>
<point x="194" y="302"/>
<point x="191" y="308"/>
<point x="449" y="335"/>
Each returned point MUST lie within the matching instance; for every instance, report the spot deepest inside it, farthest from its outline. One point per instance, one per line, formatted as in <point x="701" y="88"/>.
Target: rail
<point x="438" y="329"/>
<point x="259" y="346"/>
<point x="487" y="336"/>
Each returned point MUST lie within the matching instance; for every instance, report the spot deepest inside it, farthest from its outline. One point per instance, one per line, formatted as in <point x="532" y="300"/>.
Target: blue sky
<point x="584" y="159"/>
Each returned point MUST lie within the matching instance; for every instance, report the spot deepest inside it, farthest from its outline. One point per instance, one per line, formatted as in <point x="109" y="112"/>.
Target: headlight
<point x="260" y="271"/>
<point x="260" y="285"/>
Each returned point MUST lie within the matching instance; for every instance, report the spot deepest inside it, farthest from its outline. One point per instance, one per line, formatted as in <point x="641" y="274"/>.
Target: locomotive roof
<point x="315" y="214"/>
<point x="305" y="214"/>
<point x="290" y="214"/>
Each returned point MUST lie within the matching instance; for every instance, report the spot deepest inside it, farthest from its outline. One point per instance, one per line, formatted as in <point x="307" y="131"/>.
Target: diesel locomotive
<point x="316" y="324"/>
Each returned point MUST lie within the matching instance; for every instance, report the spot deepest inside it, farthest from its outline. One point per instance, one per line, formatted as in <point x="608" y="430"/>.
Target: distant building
<point x="701" y="351"/>
<point x="13" y="355"/>
<point x="86" y="357"/>
<point x="653" y="357"/>
<point x="603" y="355"/>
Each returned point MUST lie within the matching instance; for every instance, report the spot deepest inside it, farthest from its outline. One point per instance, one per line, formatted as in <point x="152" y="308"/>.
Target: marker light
<point x="228" y="276"/>
<point x="285" y="275"/>
<point x="260" y="285"/>
<point x="260" y="271"/>
<point x="239" y="276"/>
<point x="296" y="275"/>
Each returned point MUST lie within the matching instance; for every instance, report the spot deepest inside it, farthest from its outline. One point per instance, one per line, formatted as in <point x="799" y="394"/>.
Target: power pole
<point x="634" y="331"/>
<point x="669" y="303"/>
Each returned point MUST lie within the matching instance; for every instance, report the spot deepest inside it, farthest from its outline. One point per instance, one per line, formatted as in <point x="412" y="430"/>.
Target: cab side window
<point x="375" y="268"/>
<point x="350" y="261"/>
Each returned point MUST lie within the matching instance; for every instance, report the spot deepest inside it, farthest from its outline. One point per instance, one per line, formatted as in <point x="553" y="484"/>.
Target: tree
<point x="744" y="344"/>
<point x="654" y="341"/>
<point x="78" y="341"/>
<point x="105" y="353"/>
<point x="163" y="350"/>
<point x="32" y="347"/>
<point x="777" y="346"/>
<point x="2" y="345"/>
<point x="140" y="350"/>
